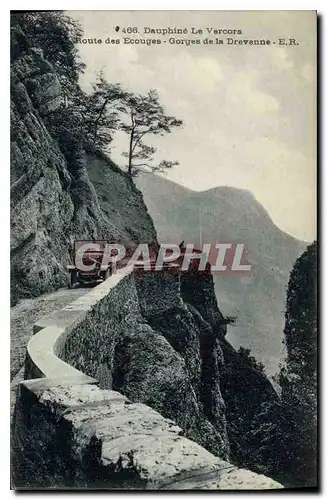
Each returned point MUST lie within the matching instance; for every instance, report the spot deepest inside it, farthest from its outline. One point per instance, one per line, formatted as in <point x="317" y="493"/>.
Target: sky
<point x="249" y="112"/>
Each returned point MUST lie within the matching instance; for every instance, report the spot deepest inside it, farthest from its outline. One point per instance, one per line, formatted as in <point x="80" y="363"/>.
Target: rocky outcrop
<point x="251" y="403"/>
<point x="50" y="205"/>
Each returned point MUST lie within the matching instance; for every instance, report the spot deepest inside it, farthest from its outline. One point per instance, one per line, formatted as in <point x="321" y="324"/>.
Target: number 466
<point x="130" y="30"/>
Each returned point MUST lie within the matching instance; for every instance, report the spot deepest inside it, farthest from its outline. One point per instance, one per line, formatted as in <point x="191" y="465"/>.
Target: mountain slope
<point x="233" y="215"/>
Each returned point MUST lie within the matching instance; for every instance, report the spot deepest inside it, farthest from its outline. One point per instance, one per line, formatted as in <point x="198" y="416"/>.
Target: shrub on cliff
<point x="301" y="316"/>
<point x="250" y="360"/>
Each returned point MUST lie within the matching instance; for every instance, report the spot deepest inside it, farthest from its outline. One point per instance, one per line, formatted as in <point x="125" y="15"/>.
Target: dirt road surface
<point x="26" y="312"/>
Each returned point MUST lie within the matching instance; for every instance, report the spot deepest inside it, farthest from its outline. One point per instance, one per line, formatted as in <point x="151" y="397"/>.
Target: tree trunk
<point x="98" y="119"/>
<point x="130" y="152"/>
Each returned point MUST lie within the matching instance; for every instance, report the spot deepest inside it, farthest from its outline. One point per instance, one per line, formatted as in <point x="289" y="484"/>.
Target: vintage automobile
<point x="87" y="256"/>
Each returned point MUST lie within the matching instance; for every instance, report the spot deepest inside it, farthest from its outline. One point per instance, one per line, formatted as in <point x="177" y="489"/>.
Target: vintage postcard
<point x="163" y="250"/>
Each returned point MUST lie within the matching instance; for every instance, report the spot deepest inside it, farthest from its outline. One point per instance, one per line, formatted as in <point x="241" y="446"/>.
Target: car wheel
<point x="72" y="279"/>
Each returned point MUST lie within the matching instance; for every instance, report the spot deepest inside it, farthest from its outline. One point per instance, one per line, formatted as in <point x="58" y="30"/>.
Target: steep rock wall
<point x="50" y="202"/>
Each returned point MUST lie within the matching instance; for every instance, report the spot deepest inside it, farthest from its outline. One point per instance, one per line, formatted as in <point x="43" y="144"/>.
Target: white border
<point x="319" y="5"/>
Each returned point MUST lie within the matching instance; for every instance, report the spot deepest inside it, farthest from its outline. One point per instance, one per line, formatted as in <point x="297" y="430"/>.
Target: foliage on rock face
<point x="252" y="410"/>
<point x="86" y="119"/>
<point x="301" y="316"/>
<point x="79" y="117"/>
<point x="291" y="424"/>
<point x="286" y="429"/>
<point x="55" y="34"/>
<point x="298" y="379"/>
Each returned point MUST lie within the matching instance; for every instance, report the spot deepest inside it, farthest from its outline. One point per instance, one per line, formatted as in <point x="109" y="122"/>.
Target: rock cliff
<point x="51" y="203"/>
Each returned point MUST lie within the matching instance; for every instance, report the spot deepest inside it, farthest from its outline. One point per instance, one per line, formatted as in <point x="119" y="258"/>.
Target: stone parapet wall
<point x="70" y="433"/>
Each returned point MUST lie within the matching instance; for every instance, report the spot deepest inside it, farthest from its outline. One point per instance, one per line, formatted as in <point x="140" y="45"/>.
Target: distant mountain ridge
<point x="232" y="214"/>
